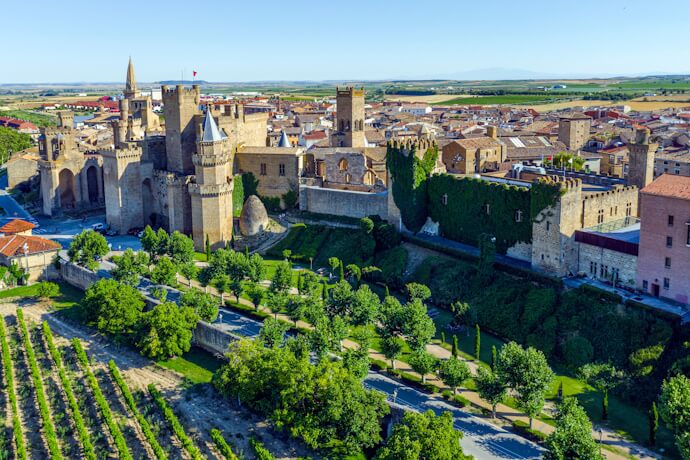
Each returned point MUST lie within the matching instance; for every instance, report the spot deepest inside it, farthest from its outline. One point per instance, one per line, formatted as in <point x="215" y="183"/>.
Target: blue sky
<point x="79" y="40"/>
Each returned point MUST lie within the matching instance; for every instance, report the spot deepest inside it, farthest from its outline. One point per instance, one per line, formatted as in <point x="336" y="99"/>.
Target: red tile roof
<point x="669" y="185"/>
<point x="13" y="245"/>
<point x="16" y="226"/>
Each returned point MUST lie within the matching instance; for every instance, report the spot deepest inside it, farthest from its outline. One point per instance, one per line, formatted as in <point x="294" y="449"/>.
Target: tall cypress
<point x="494" y="357"/>
<point x="454" y="350"/>
<point x="477" y="341"/>
<point x="653" y="424"/>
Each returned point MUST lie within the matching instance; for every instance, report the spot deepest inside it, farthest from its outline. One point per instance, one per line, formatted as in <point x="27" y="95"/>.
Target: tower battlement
<point x="350" y="91"/>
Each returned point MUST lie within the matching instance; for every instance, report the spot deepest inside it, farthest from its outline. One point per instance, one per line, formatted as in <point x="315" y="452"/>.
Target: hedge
<point x="83" y="433"/>
<point x="101" y="401"/>
<point x="524" y="429"/>
<point x="39" y="389"/>
<point x="261" y="452"/>
<point x="174" y="423"/>
<point x="9" y="376"/>
<point x="145" y="427"/>
<point x="222" y="445"/>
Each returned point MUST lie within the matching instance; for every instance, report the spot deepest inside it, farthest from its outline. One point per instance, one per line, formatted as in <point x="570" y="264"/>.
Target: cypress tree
<point x="342" y="271"/>
<point x="387" y="293"/>
<point x="494" y="357"/>
<point x="443" y="337"/>
<point x="653" y="424"/>
<point x="299" y="282"/>
<point x="477" y="341"/>
<point x="232" y="241"/>
<point x="605" y="406"/>
<point x="208" y="249"/>
<point x="246" y="251"/>
<point x="560" y="391"/>
<point x="324" y="291"/>
<point x="454" y="350"/>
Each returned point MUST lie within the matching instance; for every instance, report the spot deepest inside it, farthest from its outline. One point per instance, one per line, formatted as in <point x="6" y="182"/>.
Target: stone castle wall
<point x="625" y="263"/>
<point x="212" y="338"/>
<point x="343" y="202"/>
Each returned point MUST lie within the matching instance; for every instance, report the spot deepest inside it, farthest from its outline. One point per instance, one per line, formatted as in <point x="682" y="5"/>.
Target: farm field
<point x="506" y="99"/>
<point x="433" y="99"/>
<point x="635" y="104"/>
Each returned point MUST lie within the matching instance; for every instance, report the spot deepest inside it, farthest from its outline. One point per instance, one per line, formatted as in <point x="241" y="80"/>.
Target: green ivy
<point x="410" y="175"/>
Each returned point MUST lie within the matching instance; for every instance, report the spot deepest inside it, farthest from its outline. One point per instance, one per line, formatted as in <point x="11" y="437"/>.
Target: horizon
<point x="256" y="47"/>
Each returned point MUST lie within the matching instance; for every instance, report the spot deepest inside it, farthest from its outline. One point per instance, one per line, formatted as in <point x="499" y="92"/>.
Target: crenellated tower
<point x="180" y="105"/>
<point x="641" y="169"/>
<point x="349" y="124"/>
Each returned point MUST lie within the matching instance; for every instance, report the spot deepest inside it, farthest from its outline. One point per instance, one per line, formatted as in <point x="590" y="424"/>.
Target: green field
<point x="196" y="365"/>
<point x="660" y="84"/>
<point x="35" y="118"/>
<point x="504" y="99"/>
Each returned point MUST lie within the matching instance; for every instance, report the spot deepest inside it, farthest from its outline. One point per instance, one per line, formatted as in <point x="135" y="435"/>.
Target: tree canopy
<point x="130" y="266"/>
<point x="86" y="248"/>
<point x="113" y="307"/>
<point x="167" y="331"/>
<point x="572" y="439"/>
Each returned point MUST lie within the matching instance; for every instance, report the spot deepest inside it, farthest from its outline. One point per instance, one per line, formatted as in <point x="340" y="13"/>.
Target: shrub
<point x="20" y="445"/>
<point x="222" y="445"/>
<point x="577" y="351"/>
<point x="175" y="424"/>
<point x="524" y="429"/>
<point x="261" y="452"/>
<point x="47" y="290"/>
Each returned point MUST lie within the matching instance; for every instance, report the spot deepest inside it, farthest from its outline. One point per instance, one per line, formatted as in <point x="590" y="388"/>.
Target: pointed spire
<point x="211" y="131"/>
<point x="284" y="141"/>
<point x="131" y="84"/>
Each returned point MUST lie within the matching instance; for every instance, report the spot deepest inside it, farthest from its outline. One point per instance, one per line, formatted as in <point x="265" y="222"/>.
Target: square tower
<point x="573" y="130"/>
<point x="349" y="125"/>
<point x="641" y="154"/>
<point x="180" y="105"/>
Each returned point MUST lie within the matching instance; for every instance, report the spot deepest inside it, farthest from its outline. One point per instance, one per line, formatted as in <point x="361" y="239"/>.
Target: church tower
<point x="131" y="91"/>
<point x="211" y="193"/>
<point x="641" y="153"/>
<point x="349" y="127"/>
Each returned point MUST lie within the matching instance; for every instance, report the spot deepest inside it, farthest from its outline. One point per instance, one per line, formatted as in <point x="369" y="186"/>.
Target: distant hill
<point x="183" y="82"/>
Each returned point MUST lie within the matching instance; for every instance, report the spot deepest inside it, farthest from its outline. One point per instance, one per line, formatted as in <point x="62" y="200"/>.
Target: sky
<point x="266" y="40"/>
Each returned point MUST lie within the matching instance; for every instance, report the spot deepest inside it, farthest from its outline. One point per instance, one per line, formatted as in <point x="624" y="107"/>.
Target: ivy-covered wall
<point x="474" y="207"/>
<point x="410" y="175"/>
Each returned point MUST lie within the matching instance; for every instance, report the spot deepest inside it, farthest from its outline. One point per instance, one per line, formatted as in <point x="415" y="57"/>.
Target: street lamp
<point x="25" y="247"/>
<point x="601" y="439"/>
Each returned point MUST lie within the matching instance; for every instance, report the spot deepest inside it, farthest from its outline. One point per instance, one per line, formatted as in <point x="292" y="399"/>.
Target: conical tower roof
<point x="284" y="141"/>
<point x="211" y="131"/>
<point x="131" y="84"/>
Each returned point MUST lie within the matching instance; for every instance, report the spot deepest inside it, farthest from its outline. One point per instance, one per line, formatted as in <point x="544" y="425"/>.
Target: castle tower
<point x="641" y="168"/>
<point x="573" y="130"/>
<point x="211" y="194"/>
<point x="180" y="105"/>
<point x="130" y="91"/>
<point x="349" y="124"/>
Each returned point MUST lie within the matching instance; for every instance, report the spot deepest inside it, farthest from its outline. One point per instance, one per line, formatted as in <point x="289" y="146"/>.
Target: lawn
<point x="503" y="99"/>
<point x="69" y="295"/>
<point x="196" y="365"/>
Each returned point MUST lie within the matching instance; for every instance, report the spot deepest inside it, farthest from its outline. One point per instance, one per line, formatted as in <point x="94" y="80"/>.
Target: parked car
<point x="135" y="231"/>
<point x="99" y="227"/>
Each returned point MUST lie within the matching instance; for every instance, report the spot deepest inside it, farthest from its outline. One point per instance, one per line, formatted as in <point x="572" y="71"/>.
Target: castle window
<point x="667" y="283"/>
<point x="518" y="216"/>
<point x="676" y="171"/>
<point x="600" y="216"/>
<point x="487" y="209"/>
<point x="688" y="225"/>
<point x="645" y="284"/>
<point x="347" y="178"/>
<point x="667" y="262"/>
<point x="263" y="169"/>
<point x="548" y="225"/>
<point x="669" y="241"/>
<point x="342" y="165"/>
<point x="281" y="169"/>
<point x="444" y="199"/>
<point x="670" y="221"/>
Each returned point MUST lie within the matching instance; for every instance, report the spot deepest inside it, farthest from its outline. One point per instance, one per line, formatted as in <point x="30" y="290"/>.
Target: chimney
<point x="492" y="132"/>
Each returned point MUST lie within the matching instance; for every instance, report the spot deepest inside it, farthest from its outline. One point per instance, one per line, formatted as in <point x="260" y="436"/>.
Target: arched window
<point x="347" y="178"/>
<point x="342" y="165"/>
<point x="369" y="178"/>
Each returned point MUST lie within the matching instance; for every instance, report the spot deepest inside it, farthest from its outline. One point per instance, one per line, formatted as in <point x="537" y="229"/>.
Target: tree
<point x="339" y="299"/>
<point x="463" y="314"/>
<point x="674" y="407"/>
<point x="282" y="278"/>
<point x="202" y="303"/>
<point x="572" y="438"/>
<point x="222" y="284"/>
<point x="276" y="302"/>
<point x="130" y="266"/>
<point x="162" y="243"/>
<point x="392" y="347"/>
<point x="653" y="418"/>
<point x="477" y="342"/>
<point x="149" y="241"/>
<point x="341" y="271"/>
<point x="320" y="338"/>
<point x="453" y="372"/>
<point x="256" y="268"/>
<point x="490" y="388"/>
<point x="494" y="357"/>
<point x="334" y="263"/>
<point x="418" y="327"/>
<point x="167" y="331"/>
<point x="255" y="293"/>
<point x="237" y="287"/>
<point x="417" y="291"/>
<point x="180" y="248"/>
<point x="272" y="333"/>
<point x="46" y="290"/>
<point x="207" y="248"/>
<point x="423" y="363"/>
<point x="354" y="273"/>
<point x="113" y="307"/>
<point x="454" y="349"/>
<point x="364" y="306"/>
<point x="189" y="271"/>
<point x="295" y="308"/>
<point x="566" y="160"/>
<point x="310" y="282"/>
<point x="528" y="374"/>
<point x="357" y="362"/>
<point x="366" y="224"/>
<point x="86" y="248"/>
<point x="603" y="377"/>
<point x="164" y="272"/>
<point x="423" y="436"/>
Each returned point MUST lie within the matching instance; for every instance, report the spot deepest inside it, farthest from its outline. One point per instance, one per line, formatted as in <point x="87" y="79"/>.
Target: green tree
<point x="310" y="282"/>
<point x="272" y="333"/>
<point x="454" y="348"/>
<point x="256" y="268"/>
<point x="86" y="248"/>
<point x="149" y="241"/>
<point x="46" y="290"/>
<point x="392" y="348"/>
<point x="490" y="388"/>
<point x="566" y="160"/>
<point x="189" y="271"/>
<point x="653" y="418"/>
<point x="222" y="284"/>
<point x="282" y="278"/>
<point x="357" y="362"/>
<point x="276" y="302"/>
<point x="366" y="224"/>
<point x="364" y="306"/>
<point x="603" y="377"/>
<point x="674" y="407"/>
<point x="528" y="374"/>
<point x="162" y="243"/>
<point x="334" y="263"/>
<point x="453" y="372"/>
<point x="423" y="363"/>
<point x="354" y="274"/>
<point x="237" y="287"/>
<point x="417" y="291"/>
<point x="423" y="436"/>
<point x="167" y="331"/>
<point x="477" y="342"/>
<point x="494" y="357"/>
<point x="295" y="308"/>
<point x="419" y="328"/>
<point x="572" y="439"/>
<point x="207" y="248"/>
<point x="205" y="306"/>
<point x="339" y="299"/>
<point x="12" y="141"/>
<point x="164" y="272"/>
<point x="113" y="307"/>
<point x="256" y="294"/>
<point x="180" y="248"/>
<point x="130" y="266"/>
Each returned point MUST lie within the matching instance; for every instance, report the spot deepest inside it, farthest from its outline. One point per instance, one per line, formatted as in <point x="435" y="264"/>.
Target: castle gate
<point x="66" y="189"/>
<point x="92" y="184"/>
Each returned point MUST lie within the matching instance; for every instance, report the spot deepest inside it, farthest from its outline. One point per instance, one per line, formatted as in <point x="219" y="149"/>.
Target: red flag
<point x="550" y="158"/>
<point x="194" y="73"/>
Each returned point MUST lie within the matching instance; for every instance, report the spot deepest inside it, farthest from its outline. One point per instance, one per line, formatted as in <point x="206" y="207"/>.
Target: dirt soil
<point x="199" y="407"/>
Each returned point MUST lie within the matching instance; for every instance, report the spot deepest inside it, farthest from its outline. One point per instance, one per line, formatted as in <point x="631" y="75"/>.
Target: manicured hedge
<point x="101" y="401"/>
<point x="20" y="445"/>
<point x="524" y="429"/>
<point x="222" y="445"/>
<point x="174" y="423"/>
<point x="145" y="427"/>
<point x="39" y="389"/>
<point x="83" y="433"/>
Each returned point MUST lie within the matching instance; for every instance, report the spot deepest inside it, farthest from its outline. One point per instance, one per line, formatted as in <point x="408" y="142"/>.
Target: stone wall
<point x="343" y="202"/>
<point x="599" y="263"/>
<point x="212" y="338"/>
<point x="77" y="276"/>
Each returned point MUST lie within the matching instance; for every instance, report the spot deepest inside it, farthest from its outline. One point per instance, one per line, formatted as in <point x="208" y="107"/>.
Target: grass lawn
<point x="69" y="295"/>
<point x="196" y="365"/>
<point x="200" y="257"/>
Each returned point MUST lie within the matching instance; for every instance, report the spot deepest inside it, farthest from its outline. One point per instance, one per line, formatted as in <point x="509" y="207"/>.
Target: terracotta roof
<point x="478" y="142"/>
<point x="669" y="185"/>
<point x="16" y="226"/>
<point x="13" y="245"/>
